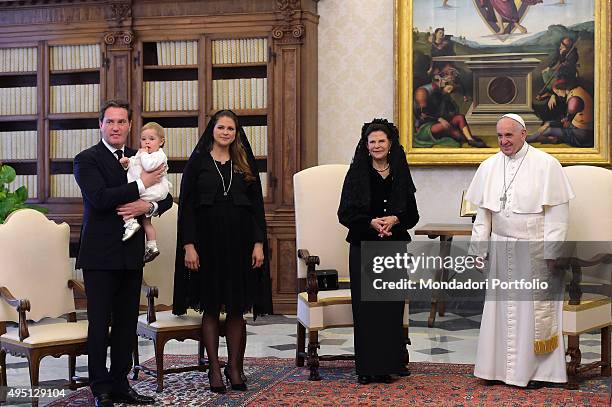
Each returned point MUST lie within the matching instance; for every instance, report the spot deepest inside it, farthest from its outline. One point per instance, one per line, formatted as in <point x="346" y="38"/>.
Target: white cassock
<point x="536" y="209"/>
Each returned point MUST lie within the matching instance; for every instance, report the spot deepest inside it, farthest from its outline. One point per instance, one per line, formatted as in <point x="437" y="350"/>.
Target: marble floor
<point x="452" y="340"/>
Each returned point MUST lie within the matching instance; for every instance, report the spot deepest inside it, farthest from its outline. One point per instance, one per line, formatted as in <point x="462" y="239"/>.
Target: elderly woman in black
<point x="377" y="204"/>
<point x="221" y="263"/>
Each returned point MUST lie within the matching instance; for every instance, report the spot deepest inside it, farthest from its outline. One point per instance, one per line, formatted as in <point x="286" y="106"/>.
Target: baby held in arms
<point x="149" y="157"/>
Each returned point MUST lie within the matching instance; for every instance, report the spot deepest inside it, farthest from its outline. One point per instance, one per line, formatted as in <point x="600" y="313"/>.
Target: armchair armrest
<point x="21" y="306"/>
<point x="151" y="292"/>
<point x="77" y="286"/>
<point x="312" y="285"/>
<point x="576" y="264"/>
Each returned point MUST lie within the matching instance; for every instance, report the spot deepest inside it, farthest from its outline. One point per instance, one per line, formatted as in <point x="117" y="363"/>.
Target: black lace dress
<point x="223" y="229"/>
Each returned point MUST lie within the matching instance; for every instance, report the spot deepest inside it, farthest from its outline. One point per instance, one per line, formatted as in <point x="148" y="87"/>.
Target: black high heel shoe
<point x="235" y="386"/>
<point x="216" y="389"/>
<point x="364" y="379"/>
<point x="226" y="373"/>
<point x="383" y="378"/>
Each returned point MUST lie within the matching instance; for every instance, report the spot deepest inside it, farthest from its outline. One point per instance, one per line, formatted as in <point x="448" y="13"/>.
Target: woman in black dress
<point x="220" y="262"/>
<point x="377" y="204"/>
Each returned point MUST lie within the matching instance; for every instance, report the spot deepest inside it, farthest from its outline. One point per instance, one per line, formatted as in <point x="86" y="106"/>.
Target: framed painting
<point x="461" y="64"/>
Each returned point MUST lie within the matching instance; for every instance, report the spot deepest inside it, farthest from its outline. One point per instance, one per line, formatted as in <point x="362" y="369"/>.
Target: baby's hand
<point x="124" y="161"/>
<point x="144" y="149"/>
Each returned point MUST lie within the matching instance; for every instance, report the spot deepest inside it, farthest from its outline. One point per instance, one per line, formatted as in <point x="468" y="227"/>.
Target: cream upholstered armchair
<point x="590" y="221"/>
<point x="158" y="323"/>
<point x="320" y="240"/>
<point x="35" y="290"/>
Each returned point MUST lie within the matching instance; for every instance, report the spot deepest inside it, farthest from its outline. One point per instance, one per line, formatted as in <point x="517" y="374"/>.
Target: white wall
<point x="356" y="84"/>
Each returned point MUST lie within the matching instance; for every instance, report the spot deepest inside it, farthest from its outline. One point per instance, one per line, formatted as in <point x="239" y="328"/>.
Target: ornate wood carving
<point x="287" y="9"/>
<point x="119" y="39"/>
<point x="313" y="355"/>
<point x="120" y="11"/>
<point x="41" y="12"/>
<point x="287" y="98"/>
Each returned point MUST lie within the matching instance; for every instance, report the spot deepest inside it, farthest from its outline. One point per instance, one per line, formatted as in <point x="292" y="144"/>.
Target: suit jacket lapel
<point x="110" y="161"/>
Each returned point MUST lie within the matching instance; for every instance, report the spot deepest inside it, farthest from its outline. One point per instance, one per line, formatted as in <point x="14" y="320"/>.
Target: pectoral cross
<point x="503" y="200"/>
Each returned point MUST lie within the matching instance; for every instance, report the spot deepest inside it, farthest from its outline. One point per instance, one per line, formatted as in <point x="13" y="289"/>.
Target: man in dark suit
<point x="112" y="269"/>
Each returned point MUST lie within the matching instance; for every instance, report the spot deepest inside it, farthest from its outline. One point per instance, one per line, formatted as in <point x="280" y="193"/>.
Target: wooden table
<point x="446" y="232"/>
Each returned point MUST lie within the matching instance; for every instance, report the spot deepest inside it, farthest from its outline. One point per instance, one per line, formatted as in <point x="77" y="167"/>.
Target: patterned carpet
<point x="277" y="382"/>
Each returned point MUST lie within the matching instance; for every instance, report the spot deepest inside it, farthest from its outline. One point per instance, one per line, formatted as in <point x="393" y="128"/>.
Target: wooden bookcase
<point x="176" y="63"/>
<point x="19" y="124"/>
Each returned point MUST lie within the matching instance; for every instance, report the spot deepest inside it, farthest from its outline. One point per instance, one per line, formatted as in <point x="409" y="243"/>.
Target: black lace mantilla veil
<point x="355" y="197"/>
<point x="184" y="279"/>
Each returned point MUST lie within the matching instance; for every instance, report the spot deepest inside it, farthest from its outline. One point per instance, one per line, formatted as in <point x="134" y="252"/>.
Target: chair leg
<point x="2" y="368"/>
<point x="159" y="363"/>
<point x="136" y="358"/>
<point x="72" y="371"/>
<point x="573" y="350"/>
<point x="34" y="365"/>
<point x="405" y="347"/>
<point x="301" y="345"/>
<point x="201" y="350"/>
<point x="605" y="351"/>
<point x="313" y="356"/>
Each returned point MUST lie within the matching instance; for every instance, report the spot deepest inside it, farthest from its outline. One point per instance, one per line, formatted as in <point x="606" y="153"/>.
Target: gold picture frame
<point x="599" y="154"/>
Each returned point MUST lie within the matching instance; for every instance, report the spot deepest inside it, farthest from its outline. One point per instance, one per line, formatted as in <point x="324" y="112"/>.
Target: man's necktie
<point x="119" y="154"/>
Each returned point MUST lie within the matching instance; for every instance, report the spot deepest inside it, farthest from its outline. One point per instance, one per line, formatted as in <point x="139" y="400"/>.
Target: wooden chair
<point x="590" y="221"/>
<point x="158" y="323"/>
<point x="320" y="240"/>
<point x="36" y="286"/>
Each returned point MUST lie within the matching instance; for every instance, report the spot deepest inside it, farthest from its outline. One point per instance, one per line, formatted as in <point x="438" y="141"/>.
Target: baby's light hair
<point x="159" y="130"/>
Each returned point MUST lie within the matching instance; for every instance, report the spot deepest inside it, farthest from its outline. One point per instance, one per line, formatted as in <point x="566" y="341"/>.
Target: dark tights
<point x="234" y="334"/>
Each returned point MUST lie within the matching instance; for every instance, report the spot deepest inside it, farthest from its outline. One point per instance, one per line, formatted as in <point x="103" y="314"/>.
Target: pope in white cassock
<point x="522" y="196"/>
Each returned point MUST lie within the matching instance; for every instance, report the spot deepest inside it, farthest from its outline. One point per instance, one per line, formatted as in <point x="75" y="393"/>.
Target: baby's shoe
<point x="130" y="229"/>
<point x="150" y="254"/>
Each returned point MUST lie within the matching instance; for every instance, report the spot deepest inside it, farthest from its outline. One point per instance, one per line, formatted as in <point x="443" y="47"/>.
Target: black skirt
<point x="226" y="280"/>
<point x="379" y="338"/>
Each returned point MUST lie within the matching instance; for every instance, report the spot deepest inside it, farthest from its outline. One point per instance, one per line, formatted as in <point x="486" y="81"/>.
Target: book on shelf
<point x="242" y="93"/>
<point x="18" y="101"/>
<point x="170" y="96"/>
<point x="175" y="179"/>
<point x="258" y="138"/>
<point x="239" y="51"/>
<point x="75" y="98"/>
<point x="65" y="144"/>
<point x="64" y="186"/>
<point x="263" y="176"/>
<point x="74" y="57"/>
<point x="177" y="53"/>
<point x="29" y="181"/>
<point x="180" y="141"/>
<point x="18" y="145"/>
<point x="23" y="59"/>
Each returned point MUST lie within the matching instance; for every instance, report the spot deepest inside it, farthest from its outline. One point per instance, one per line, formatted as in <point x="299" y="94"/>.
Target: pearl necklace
<point x="383" y="170"/>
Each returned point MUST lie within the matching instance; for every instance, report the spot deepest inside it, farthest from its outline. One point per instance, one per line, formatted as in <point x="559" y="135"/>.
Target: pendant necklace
<point x="225" y="191"/>
<point x="504" y="196"/>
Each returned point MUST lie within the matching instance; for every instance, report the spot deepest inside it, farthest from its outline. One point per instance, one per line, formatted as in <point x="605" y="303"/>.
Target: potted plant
<point x="11" y="201"/>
